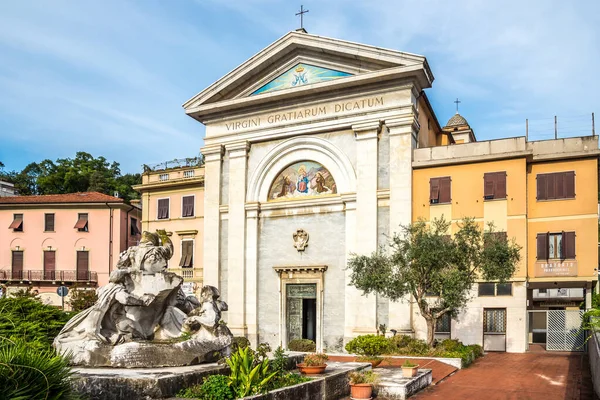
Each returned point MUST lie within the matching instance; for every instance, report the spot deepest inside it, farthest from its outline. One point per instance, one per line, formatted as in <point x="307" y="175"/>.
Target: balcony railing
<point x="48" y="276"/>
<point x="188" y="274"/>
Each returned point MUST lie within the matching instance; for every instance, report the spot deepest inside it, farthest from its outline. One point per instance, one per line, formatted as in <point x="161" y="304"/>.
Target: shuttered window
<point x="49" y="265"/>
<point x="494" y="185"/>
<point x="17" y="265"/>
<point x="187" y="206"/>
<point x="82" y="222"/>
<point x="558" y="185"/>
<point x="49" y="222"/>
<point x="134" y="230"/>
<point x="83" y="265"/>
<point x="17" y="224"/>
<point x="187" y="254"/>
<point x="556" y="246"/>
<point x="440" y="190"/>
<point x="163" y="209"/>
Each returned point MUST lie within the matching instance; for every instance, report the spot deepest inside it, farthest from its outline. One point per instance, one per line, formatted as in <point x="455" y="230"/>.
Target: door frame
<point x="484" y="333"/>
<point x="300" y="275"/>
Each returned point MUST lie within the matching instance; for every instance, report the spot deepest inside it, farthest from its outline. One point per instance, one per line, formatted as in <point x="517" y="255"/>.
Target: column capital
<point x="213" y="152"/>
<point x="403" y="124"/>
<point x="367" y="129"/>
<point x="238" y="149"/>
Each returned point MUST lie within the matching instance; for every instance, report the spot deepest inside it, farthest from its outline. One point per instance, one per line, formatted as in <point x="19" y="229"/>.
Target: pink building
<point x="67" y="239"/>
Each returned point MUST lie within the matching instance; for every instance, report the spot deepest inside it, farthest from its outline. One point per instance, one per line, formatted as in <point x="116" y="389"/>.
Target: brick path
<point x="528" y="376"/>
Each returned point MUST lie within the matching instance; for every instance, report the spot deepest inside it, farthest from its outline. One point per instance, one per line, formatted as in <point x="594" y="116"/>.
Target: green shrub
<point x="82" y="298"/>
<point x="213" y="387"/>
<point x="239" y="342"/>
<point x="304" y="345"/>
<point x="408" y="364"/>
<point x="368" y="345"/>
<point x="249" y="374"/>
<point x="314" y="359"/>
<point x="24" y="318"/>
<point x="476" y="349"/>
<point x="418" y="347"/>
<point x="450" y="345"/>
<point x="449" y="348"/>
<point x="398" y="342"/>
<point x="29" y="373"/>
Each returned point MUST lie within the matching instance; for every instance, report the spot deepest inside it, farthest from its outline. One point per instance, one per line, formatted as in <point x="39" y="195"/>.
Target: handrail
<point x="48" y="276"/>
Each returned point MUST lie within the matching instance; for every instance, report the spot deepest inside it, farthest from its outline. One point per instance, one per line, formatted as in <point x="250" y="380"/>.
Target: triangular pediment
<point x="299" y="75"/>
<point x="300" y="62"/>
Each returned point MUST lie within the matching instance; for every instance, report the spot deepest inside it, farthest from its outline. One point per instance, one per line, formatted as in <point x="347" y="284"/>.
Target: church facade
<point x="316" y="149"/>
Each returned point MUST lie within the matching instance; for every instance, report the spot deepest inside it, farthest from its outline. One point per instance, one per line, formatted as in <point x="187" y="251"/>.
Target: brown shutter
<point x="551" y="186"/>
<point x="49" y="265"/>
<point x="163" y="208"/>
<point x="560" y="185"/>
<point x="569" y="244"/>
<point x="82" y="221"/>
<point x="188" y="206"/>
<point x="500" y="190"/>
<point x="488" y="185"/>
<point x="17" y="265"/>
<point x="434" y="189"/>
<point x="445" y="190"/>
<point x="187" y="252"/>
<point x="542" y="193"/>
<point x="49" y="222"/>
<point x="82" y="265"/>
<point x="542" y="246"/>
<point x="17" y="222"/>
<point x="569" y="184"/>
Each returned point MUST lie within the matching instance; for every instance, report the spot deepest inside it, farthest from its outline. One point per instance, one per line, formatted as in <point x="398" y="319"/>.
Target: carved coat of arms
<point x="300" y="239"/>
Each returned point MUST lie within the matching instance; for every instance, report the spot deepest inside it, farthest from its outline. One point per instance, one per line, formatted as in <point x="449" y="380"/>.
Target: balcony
<point x="7" y="275"/>
<point x="188" y="274"/>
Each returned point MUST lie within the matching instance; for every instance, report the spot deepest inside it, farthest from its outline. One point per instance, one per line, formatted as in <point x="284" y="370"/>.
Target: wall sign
<point x="556" y="268"/>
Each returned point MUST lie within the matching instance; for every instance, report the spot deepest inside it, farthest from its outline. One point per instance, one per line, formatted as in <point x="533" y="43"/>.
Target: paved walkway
<point x="528" y="376"/>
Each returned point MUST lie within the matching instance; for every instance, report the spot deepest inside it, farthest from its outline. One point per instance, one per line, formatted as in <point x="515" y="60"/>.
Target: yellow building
<point x="172" y="196"/>
<point x="542" y="194"/>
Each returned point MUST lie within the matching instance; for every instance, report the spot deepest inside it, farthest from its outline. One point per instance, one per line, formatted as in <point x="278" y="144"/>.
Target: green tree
<point x="82" y="298"/>
<point x="424" y="261"/>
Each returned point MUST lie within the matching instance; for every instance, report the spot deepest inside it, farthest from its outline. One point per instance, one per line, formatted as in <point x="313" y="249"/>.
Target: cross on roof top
<point x="457" y="101"/>
<point x="301" y="14"/>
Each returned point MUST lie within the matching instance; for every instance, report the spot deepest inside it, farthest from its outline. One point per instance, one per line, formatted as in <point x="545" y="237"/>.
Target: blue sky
<point x="109" y="77"/>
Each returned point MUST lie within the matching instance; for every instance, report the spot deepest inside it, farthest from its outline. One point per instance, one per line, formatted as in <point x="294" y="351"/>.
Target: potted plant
<point x="361" y="384"/>
<point x="409" y="370"/>
<point x="313" y="364"/>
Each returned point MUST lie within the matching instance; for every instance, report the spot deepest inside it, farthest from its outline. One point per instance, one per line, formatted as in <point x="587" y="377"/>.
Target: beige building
<point x="172" y="196"/>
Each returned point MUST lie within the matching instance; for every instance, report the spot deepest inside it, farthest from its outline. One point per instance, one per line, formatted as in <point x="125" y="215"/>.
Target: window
<point x="486" y="289"/>
<point x="494" y="185"/>
<point x="187" y="253"/>
<point x="494" y="320"/>
<point x="17" y="224"/>
<point x="504" y="289"/>
<point x="542" y="291"/>
<point x="163" y="177"/>
<point x="133" y="228"/>
<point x="163" y="209"/>
<point x="556" y="246"/>
<point x="439" y="190"/>
<point x="442" y="324"/>
<point x="82" y="222"/>
<point x="17" y="265"/>
<point x="83" y="265"/>
<point x="558" y="185"/>
<point x="494" y="289"/>
<point x="49" y="222"/>
<point x="188" y="174"/>
<point x="187" y="206"/>
<point x="49" y="265"/>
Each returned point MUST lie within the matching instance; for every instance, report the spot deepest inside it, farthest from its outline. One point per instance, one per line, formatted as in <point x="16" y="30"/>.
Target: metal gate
<point x="564" y="330"/>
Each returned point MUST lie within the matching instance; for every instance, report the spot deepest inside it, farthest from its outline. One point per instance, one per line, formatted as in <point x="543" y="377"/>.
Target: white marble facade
<point x="359" y="123"/>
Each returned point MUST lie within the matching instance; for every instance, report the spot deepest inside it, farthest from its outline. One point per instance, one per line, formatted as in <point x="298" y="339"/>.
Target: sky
<point x="109" y="77"/>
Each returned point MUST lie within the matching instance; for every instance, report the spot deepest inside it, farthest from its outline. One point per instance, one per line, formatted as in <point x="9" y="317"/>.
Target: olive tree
<point x="437" y="270"/>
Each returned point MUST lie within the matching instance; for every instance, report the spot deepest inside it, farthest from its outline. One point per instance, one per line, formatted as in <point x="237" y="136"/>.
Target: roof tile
<point x="81" y="197"/>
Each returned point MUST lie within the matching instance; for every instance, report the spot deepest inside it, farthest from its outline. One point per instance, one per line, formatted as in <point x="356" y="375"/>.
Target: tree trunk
<point x="430" y="331"/>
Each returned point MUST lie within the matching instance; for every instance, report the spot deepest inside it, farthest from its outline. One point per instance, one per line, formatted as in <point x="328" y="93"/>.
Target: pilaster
<point x="252" y="218"/>
<point x="403" y="138"/>
<point x="212" y="192"/>
<point x="236" y="240"/>
<point x="362" y="317"/>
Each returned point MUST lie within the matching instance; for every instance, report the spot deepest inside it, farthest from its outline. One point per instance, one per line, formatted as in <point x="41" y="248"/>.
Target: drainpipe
<point x="110" y="239"/>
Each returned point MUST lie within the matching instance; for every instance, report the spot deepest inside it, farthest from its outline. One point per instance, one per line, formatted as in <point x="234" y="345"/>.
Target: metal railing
<point x="48" y="276"/>
<point x="177" y="163"/>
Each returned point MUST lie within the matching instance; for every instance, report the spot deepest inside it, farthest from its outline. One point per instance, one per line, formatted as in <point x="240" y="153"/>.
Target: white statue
<point x="142" y="311"/>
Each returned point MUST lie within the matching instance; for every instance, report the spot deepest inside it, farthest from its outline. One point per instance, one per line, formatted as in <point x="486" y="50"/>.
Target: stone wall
<point x="326" y="247"/>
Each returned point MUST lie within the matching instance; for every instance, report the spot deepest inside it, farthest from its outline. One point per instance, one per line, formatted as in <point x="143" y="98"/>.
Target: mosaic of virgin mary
<point x="302" y="179"/>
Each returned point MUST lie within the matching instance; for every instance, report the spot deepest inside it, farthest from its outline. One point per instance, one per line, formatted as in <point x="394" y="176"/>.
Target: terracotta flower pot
<point x="361" y="391"/>
<point x="374" y="362"/>
<point x="311" y="369"/>
<point x="410" y="372"/>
